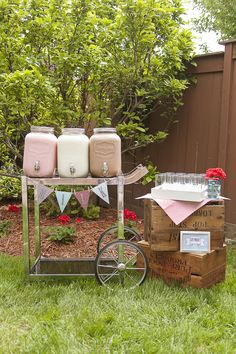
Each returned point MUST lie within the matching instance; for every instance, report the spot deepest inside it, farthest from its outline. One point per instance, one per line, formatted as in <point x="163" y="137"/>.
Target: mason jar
<point x="105" y="153"/>
<point x="40" y="152"/>
<point x="73" y="153"/>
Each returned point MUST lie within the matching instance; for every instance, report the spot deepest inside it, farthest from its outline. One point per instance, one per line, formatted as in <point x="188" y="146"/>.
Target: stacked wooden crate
<point x="162" y="246"/>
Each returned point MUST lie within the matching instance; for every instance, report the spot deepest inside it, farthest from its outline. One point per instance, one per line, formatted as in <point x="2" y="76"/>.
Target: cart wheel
<point x="111" y="234"/>
<point x="121" y="263"/>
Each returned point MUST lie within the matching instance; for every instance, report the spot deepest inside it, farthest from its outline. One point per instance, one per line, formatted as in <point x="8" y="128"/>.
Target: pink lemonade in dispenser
<point x="40" y="152"/>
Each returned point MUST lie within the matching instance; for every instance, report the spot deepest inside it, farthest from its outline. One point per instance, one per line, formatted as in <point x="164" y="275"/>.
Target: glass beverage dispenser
<point x="40" y="152"/>
<point x="73" y="153"/>
<point x="105" y="153"/>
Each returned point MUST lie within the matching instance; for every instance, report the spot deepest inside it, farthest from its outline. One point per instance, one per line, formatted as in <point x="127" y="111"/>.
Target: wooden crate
<point x="163" y="235"/>
<point x="196" y="281"/>
<point x="206" y="281"/>
<point x="197" y="270"/>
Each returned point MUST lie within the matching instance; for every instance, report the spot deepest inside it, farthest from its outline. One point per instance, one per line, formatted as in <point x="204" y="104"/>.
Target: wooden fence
<point x="204" y="135"/>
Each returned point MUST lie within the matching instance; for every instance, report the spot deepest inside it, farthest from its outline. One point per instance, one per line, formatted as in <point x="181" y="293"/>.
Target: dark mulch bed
<point x="88" y="232"/>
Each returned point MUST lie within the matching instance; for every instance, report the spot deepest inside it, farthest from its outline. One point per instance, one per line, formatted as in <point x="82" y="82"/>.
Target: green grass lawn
<point x="83" y="317"/>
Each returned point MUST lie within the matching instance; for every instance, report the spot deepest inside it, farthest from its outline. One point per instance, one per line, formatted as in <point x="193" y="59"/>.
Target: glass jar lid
<point x="104" y="130"/>
<point x="38" y="129"/>
<point x="73" y="131"/>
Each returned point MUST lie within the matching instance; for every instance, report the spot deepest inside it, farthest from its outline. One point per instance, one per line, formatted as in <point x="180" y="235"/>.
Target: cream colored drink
<point x="73" y="153"/>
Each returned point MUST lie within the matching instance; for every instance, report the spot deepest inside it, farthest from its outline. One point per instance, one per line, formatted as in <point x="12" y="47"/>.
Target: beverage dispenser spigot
<point x="37" y="166"/>
<point x="105" y="168"/>
<point x="72" y="169"/>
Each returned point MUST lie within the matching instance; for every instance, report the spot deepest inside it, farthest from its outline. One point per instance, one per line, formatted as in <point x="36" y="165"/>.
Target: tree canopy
<point x="217" y="15"/>
<point x="89" y="62"/>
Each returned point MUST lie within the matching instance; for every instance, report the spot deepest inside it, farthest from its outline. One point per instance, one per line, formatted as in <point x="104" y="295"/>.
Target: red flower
<point x="129" y="215"/>
<point x="77" y="220"/>
<point x="64" y="219"/>
<point x="13" y="208"/>
<point x="215" y="173"/>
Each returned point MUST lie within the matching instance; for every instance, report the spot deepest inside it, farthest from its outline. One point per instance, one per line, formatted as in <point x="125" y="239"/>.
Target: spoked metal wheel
<point x="111" y="234"/>
<point x="121" y="263"/>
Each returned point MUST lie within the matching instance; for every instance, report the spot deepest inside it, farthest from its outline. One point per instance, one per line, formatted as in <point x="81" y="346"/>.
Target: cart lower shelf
<point x="109" y="271"/>
<point x="65" y="267"/>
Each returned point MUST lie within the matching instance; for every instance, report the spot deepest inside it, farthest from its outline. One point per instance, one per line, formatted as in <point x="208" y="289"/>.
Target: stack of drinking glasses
<point x="180" y="181"/>
<point x="180" y="186"/>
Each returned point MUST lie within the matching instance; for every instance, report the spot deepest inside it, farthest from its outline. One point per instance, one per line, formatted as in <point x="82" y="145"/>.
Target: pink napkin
<point x="179" y="210"/>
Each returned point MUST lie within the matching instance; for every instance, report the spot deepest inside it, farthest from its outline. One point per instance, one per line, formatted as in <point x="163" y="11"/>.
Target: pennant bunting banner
<point x="83" y="198"/>
<point x="35" y="183"/>
<point x="43" y="192"/>
<point x="62" y="199"/>
<point x="102" y="191"/>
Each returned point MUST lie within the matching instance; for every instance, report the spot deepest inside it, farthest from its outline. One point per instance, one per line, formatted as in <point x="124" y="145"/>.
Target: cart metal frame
<point x="49" y="268"/>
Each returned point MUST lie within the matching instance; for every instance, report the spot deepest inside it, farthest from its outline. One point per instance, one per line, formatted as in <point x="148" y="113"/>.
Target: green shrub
<point x="93" y="212"/>
<point x="61" y="234"/>
<point x="70" y="63"/>
<point x="10" y="188"/>
<point x="50" y="206"/>
<point x="150" y="176"/>
<point x="73" y="208"/>
<point x="4" y="227"/>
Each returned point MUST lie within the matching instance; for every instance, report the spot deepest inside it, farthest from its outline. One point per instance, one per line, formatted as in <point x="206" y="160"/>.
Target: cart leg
<point x="36" y="224"/>
<point x="26" y="247"/>
<point x="120" y="216"/>
<point x="120" y="206"/>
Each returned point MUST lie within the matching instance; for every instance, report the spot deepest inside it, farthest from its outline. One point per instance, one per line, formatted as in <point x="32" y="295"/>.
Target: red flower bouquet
<point x="215" y="173"/>
<point x="64" y="219"/>
<point x="13" y="208"/>
<point x="130" y="221"/>
<point x="129" y="215"/>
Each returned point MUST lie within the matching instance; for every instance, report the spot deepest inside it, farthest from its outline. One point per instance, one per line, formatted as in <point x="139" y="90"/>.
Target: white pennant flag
<point x="83" y="198"/>
<point x="102" y="191"/>
<point x="63" y="199"/>
<point x="43" y="192"/>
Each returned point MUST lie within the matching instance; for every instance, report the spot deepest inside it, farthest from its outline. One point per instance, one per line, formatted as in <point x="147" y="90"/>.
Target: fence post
<point x="225" y="103"/>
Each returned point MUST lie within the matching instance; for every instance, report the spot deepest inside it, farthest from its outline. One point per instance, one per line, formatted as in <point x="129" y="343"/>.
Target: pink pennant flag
<point x="83" y="198"/>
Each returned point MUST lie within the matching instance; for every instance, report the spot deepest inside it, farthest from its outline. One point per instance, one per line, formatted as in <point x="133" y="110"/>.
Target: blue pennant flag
<point x="63" y="199"/>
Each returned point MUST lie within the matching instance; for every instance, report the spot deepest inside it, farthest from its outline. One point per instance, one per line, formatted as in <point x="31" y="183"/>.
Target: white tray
<point x="192" y="196"/>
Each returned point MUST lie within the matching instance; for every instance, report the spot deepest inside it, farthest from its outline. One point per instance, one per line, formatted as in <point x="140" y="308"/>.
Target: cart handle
<point x="132" y="177"/>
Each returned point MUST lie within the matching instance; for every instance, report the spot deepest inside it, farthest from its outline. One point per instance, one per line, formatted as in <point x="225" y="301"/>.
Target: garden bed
<point x="84" y="245"/>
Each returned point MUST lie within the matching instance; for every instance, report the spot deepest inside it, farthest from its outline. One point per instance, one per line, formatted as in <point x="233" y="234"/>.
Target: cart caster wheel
<point x="111" y="234"/>
<point x="121" y="263"/>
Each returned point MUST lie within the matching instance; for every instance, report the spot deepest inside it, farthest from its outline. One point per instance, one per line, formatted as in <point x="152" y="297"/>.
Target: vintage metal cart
<point x="116" y="261"/>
